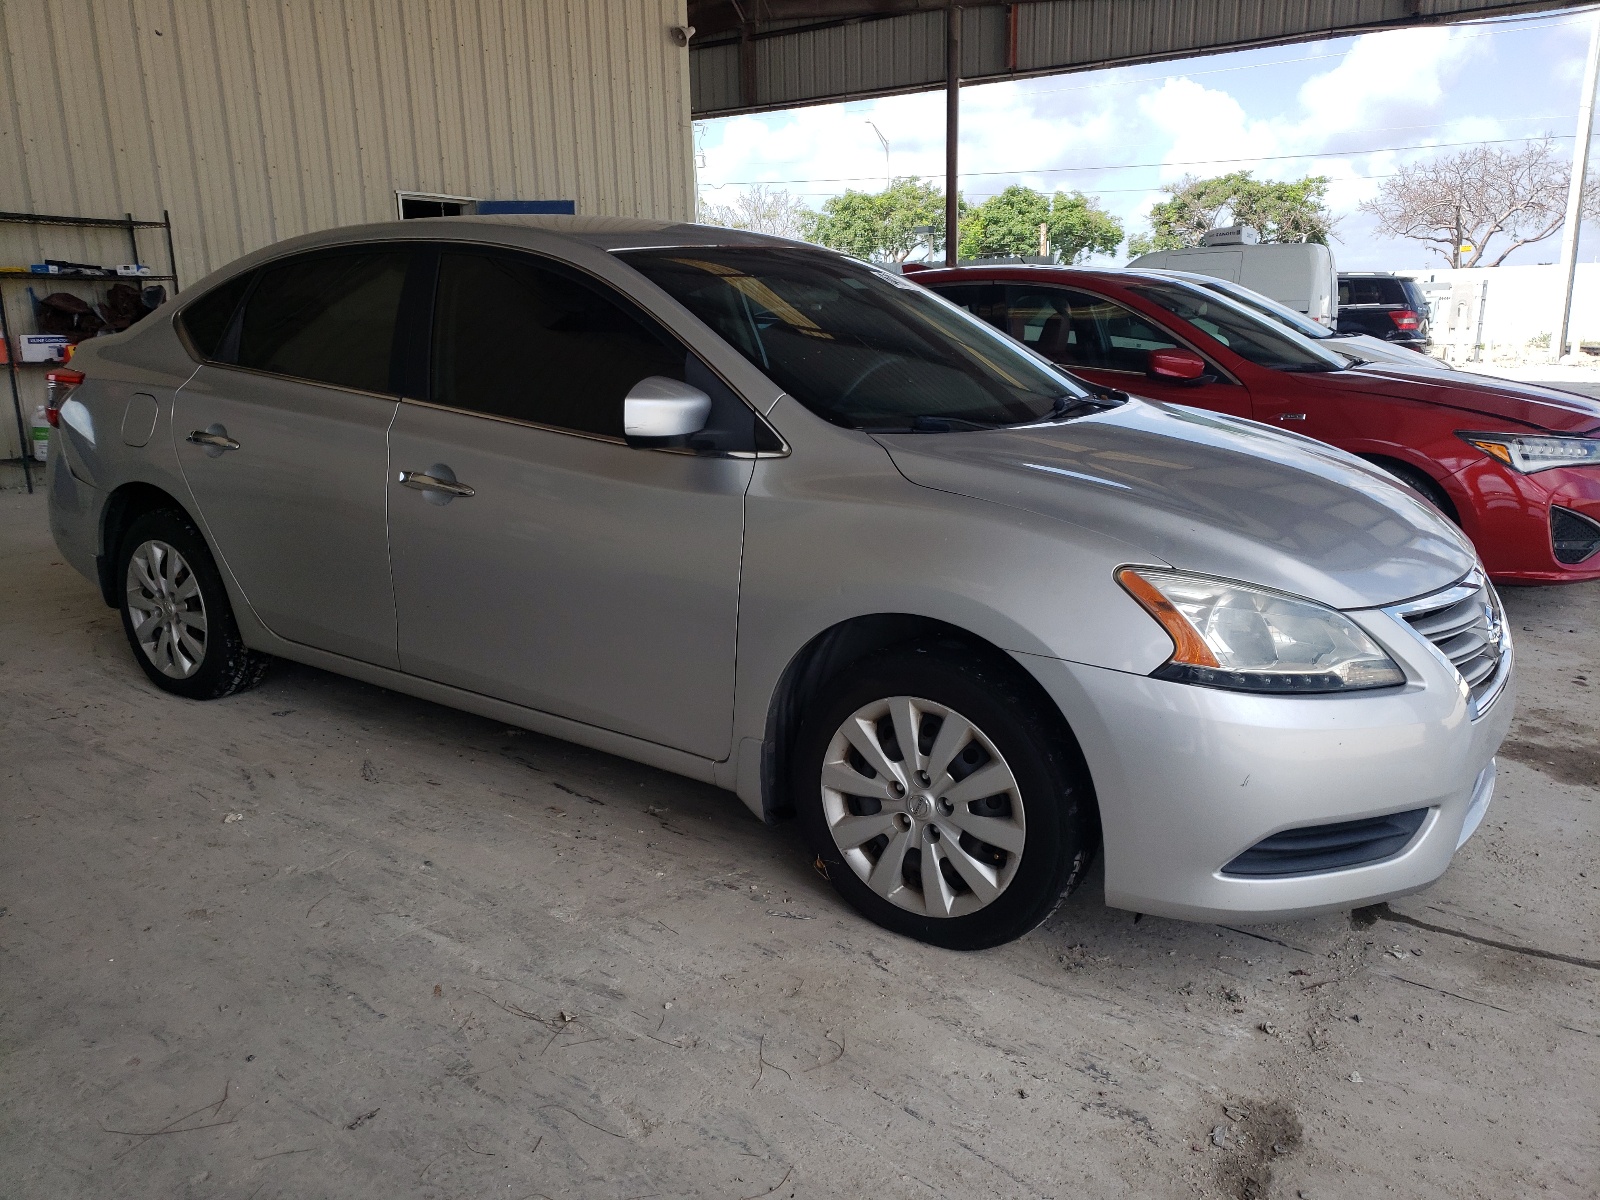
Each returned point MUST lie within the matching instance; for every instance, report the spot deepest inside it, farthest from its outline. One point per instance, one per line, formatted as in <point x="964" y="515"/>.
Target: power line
<point x="782" y="162"/>
<point x="1193" y="162"/>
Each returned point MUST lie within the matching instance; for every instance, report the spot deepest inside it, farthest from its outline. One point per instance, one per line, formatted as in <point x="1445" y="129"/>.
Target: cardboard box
<point x="43" y="347"/>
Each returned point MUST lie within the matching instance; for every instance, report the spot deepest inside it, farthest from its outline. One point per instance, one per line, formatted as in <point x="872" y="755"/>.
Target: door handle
<point x="423" y="482"/>
<point x="214" y="439"/>
<point x="1291" y="416"/>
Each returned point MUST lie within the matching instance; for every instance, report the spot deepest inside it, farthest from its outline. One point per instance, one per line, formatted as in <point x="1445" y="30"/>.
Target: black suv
<point x="1385" y="306"/>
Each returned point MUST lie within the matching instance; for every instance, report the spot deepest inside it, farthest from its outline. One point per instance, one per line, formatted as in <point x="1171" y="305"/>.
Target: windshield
<point x="1265" y="305"/>
<point x="1242" y="330"/>
<point x="855" y="345"/>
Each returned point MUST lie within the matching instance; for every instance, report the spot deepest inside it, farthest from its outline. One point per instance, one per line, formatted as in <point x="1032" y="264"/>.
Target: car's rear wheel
<point x="175" y="611"/>
<point x="945" y="805"/>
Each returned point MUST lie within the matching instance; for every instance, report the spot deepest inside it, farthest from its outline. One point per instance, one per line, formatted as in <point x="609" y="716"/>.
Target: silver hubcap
<point x="168" y="612"/>
<point x="923" y="807"/>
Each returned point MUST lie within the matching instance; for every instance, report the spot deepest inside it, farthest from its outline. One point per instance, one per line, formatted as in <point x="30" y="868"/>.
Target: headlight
<point x="1530" y="452"/>
<point x="1247" y="639"/>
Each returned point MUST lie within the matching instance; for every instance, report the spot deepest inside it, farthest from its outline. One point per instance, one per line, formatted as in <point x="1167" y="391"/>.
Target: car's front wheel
<point x="945" y="804"/>
<point x="175" y="611"/>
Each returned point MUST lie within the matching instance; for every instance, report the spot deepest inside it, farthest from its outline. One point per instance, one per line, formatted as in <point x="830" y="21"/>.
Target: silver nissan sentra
<point x="775" y="519"/>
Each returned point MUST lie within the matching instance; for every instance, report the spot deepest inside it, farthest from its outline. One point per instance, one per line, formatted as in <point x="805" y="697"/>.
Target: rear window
<point x="205" y="321"/>
<point x="329" y="318"/>
<point x="1368" y="289"/>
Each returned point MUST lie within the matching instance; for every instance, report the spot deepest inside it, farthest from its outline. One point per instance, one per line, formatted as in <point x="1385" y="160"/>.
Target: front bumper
<point x="1187" y="778"/>
<point x="1507" y="516"/>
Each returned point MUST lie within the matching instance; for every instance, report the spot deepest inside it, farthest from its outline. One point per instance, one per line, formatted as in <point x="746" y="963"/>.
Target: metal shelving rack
<point x="125" y="222"/>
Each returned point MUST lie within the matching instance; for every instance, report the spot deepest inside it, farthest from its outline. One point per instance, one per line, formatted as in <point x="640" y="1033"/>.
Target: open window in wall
<point x="433" y="204"/>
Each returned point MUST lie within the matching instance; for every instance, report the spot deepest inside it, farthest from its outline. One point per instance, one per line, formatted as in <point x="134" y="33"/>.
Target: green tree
<point x="882" y="225"/>
<point x="1009" y="224"/>
<point x="1295" y="210"/>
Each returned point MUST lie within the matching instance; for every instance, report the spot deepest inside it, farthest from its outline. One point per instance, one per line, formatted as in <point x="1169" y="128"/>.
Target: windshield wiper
<point x="1063" y="407"/>
<point x="1101" y="399"/>
<point x="932" y="424"/>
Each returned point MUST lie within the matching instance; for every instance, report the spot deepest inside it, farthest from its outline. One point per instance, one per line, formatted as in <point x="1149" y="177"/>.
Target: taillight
<point x="1404" y="319"/>
<point x="59" y="384"/>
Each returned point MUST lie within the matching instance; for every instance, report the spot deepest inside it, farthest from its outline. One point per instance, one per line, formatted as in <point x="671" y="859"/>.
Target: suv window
<point x="513" y="338"/>
<point x="329" y="318"/>
<point x="206" y="321"/>
<point x="1370" y="289"/>
<point x="1080" y="330"/>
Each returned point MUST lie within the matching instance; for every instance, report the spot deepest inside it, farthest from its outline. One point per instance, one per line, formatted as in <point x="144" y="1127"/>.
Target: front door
<point x="1107" y="343"/>
<point x="282" y="444"/>
<point x="580" y="576"/>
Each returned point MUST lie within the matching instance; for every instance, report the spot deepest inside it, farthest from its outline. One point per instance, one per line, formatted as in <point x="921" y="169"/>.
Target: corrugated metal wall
<point x="255" y="120"/>
<point x="903" y="53"/>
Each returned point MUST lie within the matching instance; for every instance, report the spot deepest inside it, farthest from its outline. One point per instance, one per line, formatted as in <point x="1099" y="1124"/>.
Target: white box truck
<point x="1299" y="274"/>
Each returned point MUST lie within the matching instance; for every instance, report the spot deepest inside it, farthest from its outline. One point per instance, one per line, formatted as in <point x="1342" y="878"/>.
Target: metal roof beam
<point x="779" y="54"/>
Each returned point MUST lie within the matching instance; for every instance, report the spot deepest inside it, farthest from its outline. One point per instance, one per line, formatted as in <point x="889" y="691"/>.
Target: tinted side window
<point x="326" y="317"/>
<point x="207" y="319"/>
<point x="1080" y="330"/>
<point x="1371" y="290"/>
<point x="974" y="297"/>
<point x="515" y="339"/>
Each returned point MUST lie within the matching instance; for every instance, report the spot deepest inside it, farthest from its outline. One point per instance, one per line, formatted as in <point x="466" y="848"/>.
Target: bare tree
<point x="1485" y="198"/>
<point x="761" y="209"/>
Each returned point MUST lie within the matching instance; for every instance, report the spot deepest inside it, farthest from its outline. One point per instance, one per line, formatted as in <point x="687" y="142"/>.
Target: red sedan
<point x="1515" y="465"/>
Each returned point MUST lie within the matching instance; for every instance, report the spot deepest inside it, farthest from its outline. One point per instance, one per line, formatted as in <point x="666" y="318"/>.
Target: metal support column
<point x="24" y="448"/>
<point x="952" y="135"/>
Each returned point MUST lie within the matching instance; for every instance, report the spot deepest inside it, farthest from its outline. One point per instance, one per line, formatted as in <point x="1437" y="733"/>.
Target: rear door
<point x="281" y="438"/>
<point x="1108" y="343"/>
<point x="581" y="576"/>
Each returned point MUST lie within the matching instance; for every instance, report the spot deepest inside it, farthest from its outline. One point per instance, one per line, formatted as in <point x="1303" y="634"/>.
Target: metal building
<point x="251" y="121"/>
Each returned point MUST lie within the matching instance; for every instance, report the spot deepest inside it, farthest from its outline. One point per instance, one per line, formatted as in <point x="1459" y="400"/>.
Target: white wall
<point x="1521" y="303"/>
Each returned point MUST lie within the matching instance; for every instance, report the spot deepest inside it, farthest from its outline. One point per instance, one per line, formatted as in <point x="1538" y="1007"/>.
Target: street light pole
<point x="952" y="127"/>
<point x="1580" y="170"/>
<point x="885" y="141"/>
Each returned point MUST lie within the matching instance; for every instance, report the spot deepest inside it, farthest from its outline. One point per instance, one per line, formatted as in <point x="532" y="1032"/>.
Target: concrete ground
<point x="323" y="940"/>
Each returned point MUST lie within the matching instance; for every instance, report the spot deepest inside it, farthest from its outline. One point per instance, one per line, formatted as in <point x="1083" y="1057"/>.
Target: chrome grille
<point x="1466" y="624"/>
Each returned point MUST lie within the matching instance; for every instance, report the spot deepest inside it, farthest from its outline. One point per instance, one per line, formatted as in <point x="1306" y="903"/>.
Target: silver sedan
<point x="775" y="519"/>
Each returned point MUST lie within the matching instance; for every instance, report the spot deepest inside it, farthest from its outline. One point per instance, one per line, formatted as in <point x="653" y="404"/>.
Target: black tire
<point x="1421" y="483"/>
<point x="1062" y="830"/>
<point x="226" y="665"/>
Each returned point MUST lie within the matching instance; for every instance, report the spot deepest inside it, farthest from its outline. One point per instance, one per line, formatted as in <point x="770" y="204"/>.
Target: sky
<point x="1354" y="109"/>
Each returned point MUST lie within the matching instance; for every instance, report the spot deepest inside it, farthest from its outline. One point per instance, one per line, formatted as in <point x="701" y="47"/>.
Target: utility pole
<point x="1580" y="170"/>
<point x="952" y="132"/>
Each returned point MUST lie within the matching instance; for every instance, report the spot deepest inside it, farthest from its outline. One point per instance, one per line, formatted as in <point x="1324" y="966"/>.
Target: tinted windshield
<point x="1267" y="307"/>
<point x="855" y="345"/>
<point x="1244" y="331"/>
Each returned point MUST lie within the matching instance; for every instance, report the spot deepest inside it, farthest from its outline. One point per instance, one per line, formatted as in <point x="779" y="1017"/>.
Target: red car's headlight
<point x="1530" y="452"/>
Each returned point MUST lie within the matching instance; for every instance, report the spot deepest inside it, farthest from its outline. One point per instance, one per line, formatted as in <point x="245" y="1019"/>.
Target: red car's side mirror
<point x="1178" y="366"/>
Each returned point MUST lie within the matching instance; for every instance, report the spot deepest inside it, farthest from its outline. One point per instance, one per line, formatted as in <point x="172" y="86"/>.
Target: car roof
<point x="1041" y="272"/>
<point x="581" y="236"/>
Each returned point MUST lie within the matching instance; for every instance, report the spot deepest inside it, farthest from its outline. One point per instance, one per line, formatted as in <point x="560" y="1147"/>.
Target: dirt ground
<point x="323" y="940"/>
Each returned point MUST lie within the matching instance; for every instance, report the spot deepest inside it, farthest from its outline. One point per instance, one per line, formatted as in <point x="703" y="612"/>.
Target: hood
<point x="1206" y="493"/>
<point x="1489" y="399"/>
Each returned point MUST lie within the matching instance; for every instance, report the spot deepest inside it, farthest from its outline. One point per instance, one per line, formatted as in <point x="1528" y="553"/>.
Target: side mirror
<point x="659" y="411"/>
<point x="1176" y="366"/>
